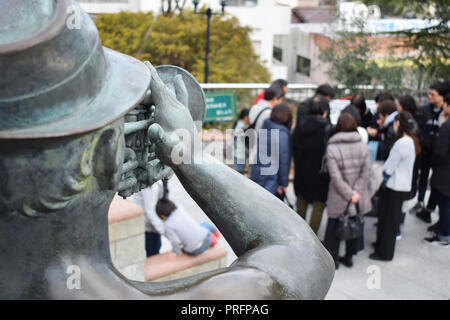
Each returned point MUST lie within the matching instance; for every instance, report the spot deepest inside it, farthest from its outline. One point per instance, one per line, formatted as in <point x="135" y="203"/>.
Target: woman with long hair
<point x="349" y="165"/>
<point x="408" y="103"/>
<point x="397" y="173"/>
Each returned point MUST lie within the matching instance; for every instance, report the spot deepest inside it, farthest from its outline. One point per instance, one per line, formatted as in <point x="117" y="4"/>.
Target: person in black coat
<point x="388" y="111"/>
<point x="440" y="182"/>
<point x="309" y="145"/>
<point x="324" y="90"/>
<point x="429" y="134"/>
<point x="374" y="128"/>
<point x="408" y="103"/>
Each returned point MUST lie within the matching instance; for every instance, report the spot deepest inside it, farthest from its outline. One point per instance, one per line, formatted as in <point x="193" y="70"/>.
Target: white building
<point x="267" y="18"/>
<point x="115" y="6"/>
<point x="313" y="27"/>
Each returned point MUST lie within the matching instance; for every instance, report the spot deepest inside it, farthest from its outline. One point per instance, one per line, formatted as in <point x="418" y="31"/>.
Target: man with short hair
<point x="280" y="83"/>
<point x="433" y="110"/>
<point x="273" y="96"/>
<point x="324" y="90"/>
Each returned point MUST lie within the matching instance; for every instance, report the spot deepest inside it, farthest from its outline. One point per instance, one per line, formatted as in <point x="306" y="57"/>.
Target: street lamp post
<point x="208" y="14"/>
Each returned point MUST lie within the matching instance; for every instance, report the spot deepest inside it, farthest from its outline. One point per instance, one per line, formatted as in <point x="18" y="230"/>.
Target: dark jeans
<point x="425" y="167"/>
<point x="432" y="202"/>
<point x="415" y="179"/>
<point x="331" y="242"/>
<point x="152" y="243"/>
<point x="444" y="215"/>
<point x="389" y="218"/>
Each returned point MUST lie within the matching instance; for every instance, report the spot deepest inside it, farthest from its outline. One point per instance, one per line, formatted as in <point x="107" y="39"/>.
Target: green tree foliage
<point x="431" y="44"/>
<point x="354" y="62"/>
<point x="180" y="40"/>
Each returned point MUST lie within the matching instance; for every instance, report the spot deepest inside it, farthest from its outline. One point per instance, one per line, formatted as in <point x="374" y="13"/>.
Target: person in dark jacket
<point x="359" y="101"/>
<point x="440" y="182"/>
<point x="388" y="111"/>
<point x="310" y="140"/>
<point x="274" y="151"/>
<point x="351" y="109"/>
<point x="359" y="111"/>
<point x="324" y="90"/>
<point x="374" y="129"/>
<point x="408" y="103"/>
<point x="430" y="132"/>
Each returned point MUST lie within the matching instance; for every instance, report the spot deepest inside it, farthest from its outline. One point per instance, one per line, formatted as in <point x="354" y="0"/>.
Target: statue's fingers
<point x="156" y="134"/>
<point x="147" y="100"/>
<point x="171" y="89"/>
<point x="157" y="171"/>
<point x="180" y="90"/>
<point x="157" y="86"/>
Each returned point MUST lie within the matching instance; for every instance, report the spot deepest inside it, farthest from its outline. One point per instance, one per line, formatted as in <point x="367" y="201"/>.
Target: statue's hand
<point x="174" y="126"/>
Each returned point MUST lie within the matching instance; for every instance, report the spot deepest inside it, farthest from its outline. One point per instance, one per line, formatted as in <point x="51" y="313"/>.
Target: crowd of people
<point x="334" y="164"/>
<point x="335" y="168"/>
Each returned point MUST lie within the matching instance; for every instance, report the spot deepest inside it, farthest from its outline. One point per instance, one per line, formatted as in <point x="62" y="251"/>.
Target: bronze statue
<point x="63" y="98"/>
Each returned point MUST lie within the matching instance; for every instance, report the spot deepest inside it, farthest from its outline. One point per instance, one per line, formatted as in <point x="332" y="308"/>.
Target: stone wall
<point x="127" y="238"/>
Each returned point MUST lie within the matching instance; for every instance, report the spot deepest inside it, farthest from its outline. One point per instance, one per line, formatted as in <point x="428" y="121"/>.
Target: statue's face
<point x="42" y="176"/>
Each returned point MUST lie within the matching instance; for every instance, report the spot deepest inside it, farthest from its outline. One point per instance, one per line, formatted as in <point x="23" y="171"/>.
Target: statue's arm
<point x="264" y="233"/>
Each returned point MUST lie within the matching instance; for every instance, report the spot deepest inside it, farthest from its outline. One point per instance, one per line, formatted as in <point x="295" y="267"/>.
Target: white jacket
<point x="183" y="232"/>
<point x="252" y="115"/>
<point x="400" y="165"/>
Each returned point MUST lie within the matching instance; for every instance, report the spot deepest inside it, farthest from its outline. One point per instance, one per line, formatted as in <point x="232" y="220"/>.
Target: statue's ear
<point x="108" y="158"/>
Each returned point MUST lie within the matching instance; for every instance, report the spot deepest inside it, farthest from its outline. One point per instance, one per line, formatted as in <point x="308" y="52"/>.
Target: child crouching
<point x="185" y="235"/>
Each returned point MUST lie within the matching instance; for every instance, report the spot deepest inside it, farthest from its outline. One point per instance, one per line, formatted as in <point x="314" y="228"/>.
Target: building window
<point x="303" y="65"/>
<point x="242" y="3"/>
<point x="278" y="53"/>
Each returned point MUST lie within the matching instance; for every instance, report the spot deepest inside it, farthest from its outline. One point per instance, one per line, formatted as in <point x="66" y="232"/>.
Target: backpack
<point x="253" y="125"/>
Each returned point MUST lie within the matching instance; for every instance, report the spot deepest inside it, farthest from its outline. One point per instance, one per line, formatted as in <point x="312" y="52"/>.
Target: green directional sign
<point x="220" y="106"/>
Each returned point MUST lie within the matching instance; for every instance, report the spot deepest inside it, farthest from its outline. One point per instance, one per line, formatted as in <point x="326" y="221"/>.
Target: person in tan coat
<point x="349" y="166"/>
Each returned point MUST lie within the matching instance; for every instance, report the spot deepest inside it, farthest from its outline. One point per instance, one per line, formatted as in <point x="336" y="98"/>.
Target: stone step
<point x="169" y="266"/>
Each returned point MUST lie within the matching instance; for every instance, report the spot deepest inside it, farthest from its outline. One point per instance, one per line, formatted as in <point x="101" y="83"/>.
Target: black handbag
<point x="323" y="171"/>
<point x="349" y="228"/>
<point x="283" y="197"/>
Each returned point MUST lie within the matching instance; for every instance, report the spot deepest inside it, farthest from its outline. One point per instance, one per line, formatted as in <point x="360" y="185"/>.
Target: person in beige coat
<point x="349" y="166"/>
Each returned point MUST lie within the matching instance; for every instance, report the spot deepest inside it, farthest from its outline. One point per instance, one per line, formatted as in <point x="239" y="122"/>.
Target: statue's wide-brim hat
<point x="56" y="78"/>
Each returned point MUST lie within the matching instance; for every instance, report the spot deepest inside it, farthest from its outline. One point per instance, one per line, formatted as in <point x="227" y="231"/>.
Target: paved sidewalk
<point x="418" y="271"/>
